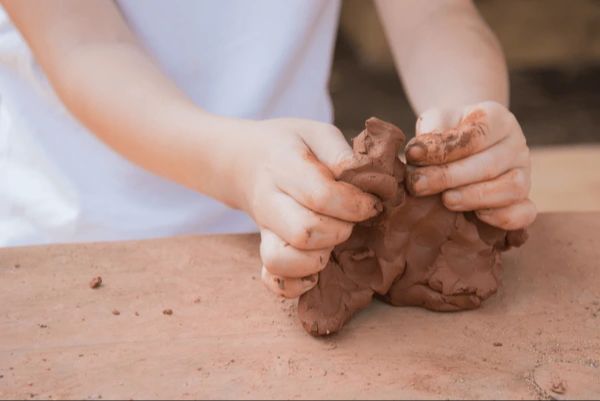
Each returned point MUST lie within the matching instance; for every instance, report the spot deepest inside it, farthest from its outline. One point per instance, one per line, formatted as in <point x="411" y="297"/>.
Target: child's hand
<point x="290" y="190"/>
<point x="478" y="158"/>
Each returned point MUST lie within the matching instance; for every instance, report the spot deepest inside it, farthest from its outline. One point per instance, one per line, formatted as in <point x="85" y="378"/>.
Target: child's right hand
<point x="288" y="172"/>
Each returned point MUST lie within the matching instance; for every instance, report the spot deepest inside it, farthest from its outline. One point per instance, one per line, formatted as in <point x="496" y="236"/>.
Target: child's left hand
<point x="478" y="157"/>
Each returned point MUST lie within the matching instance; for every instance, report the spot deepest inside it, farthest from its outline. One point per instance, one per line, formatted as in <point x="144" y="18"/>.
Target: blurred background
<point x="553" y="53"/>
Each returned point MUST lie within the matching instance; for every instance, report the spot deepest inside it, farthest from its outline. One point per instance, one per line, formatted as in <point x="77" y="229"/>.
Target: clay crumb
<point x="198" y="300"/>
<point x="43" y="326"/>
<point x="558" y="387"/>
<point x="168" y="312"/>
<point x="498" y="344"/>
<point x="136" y="313"/>
<point x="116" y="312"/>
<point x="96" y="283"/>
<point x="17" y="266"/>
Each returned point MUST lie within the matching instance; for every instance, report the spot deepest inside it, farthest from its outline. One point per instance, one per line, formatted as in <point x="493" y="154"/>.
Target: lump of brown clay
<point x="414" y="253"/>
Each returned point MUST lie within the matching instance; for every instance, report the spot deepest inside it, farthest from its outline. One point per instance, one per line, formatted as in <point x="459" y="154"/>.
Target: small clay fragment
<point x="96" y="283"/>
<point x="416" y="252"/>
<point x="43" y="326"/>
<point x="497" y="344"/>
<point x="116" y="312"/>
<point x="558" y="387"/>
<point x="168" y="312"/>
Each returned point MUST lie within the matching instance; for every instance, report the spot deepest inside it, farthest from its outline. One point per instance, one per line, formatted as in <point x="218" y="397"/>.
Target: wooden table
<point x="229" y="337"/>
<point x="566" y="178"/>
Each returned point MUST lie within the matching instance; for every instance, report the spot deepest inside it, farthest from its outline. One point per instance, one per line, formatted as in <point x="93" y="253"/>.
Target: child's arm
<point x="279" y="171"/>
<point x="452" y="67"/>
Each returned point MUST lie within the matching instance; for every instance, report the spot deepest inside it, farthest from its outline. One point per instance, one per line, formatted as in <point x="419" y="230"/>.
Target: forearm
<point x="447" y="57"/>
<point x="111" y="85"/>
<point x="119" y="94"/>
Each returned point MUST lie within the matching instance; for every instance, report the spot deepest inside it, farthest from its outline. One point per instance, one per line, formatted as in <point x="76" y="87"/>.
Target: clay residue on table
<point x="414" y="253"/>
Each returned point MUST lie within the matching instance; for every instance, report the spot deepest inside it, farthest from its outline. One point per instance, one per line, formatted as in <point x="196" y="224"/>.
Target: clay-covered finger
<point x="479" y="167"/>
<point x="288" y="287"/>
<point x="479" y="129"/>
<point x="298" y="226"/>
<point x="513" y="217"/>
<point x="505" y="190"/>
<point x="282" y="259"/>
<point x="437" y="120"/>
<point x="310" y="183"/>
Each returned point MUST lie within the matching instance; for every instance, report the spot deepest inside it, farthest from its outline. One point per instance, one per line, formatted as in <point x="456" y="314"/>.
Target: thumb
<point x="437" y="120"/>
<point x="328" y="145"/>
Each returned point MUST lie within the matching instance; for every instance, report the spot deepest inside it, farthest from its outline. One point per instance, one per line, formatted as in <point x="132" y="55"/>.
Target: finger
<point x="328" y="145"/>
<point x="282" y="259"/>
<point x="505" y="190"/>
<point x="310" y="183"/>
<point x="478" y="130"/>
<point x="437" y="120"/>
<point x="298" y="226"/>
<point x="513" y="217"/>
<point x="483" y="166"/>
<point x="288" y="287"/>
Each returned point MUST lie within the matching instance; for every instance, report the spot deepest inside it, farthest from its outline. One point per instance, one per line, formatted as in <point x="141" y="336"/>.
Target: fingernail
<point x="417" y="183"/>
<point x="416" y="151"/>
<point x="309" y="281"/>
<point x="453" y="197"/>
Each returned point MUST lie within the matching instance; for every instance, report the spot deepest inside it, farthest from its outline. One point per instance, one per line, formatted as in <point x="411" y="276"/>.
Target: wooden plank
<point x="229" y="338"/>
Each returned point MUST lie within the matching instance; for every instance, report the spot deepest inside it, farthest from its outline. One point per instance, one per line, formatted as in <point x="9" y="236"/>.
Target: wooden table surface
<point x="229" y="338"/>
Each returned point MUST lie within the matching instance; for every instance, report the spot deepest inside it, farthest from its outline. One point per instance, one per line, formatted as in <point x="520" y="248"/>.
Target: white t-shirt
<point x="252" y="59"/>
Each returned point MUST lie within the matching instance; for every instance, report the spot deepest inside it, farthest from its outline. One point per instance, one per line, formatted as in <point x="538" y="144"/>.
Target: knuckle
<point x="446" y="177"/>
<point x="479" y="194"/>
<point x="513" y="120"/>
<point x="318" y="198"/>
<point x="344" y="232"/>
<point x="533" y="212"/>
<point x="331" y="130"/>
<point x="525" y="158"/>
<point x="269" y="258"/>
<point x="520" y="180"/>
<point x="490" y="168"/>
<point x="302" y="235"/>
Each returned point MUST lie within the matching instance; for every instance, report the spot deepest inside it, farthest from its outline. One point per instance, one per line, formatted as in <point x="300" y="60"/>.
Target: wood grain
<point x="229" y="338"/>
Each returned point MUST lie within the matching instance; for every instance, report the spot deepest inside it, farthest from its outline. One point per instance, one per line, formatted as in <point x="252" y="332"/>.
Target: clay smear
<point x="414" y="253"/>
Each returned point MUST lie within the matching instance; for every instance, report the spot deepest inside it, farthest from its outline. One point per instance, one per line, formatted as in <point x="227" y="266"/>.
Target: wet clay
<point x="416" y="252"/>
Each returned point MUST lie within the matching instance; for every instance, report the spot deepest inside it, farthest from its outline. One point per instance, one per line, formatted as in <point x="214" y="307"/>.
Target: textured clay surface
<point x="415" y="253"/>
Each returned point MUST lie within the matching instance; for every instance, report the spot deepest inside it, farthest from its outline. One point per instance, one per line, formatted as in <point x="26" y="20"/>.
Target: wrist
<point x="219" y="160"/>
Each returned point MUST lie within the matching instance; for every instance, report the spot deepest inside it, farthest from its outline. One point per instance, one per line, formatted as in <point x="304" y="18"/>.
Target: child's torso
<point x="251" y="59"/>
